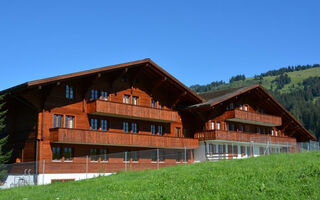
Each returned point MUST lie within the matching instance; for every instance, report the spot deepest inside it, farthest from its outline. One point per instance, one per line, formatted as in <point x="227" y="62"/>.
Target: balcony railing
<point x="79" y="136"/>
<point x="253" y="118"/>
<point x="241" y="136"/>
<point x="109" y="108"/>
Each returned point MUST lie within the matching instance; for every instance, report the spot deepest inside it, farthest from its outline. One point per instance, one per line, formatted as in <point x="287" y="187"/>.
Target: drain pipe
<point x="205" y="150"/>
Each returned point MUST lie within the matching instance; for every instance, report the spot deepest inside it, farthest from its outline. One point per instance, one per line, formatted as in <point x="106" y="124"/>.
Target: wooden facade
<point x="130" y="107"/>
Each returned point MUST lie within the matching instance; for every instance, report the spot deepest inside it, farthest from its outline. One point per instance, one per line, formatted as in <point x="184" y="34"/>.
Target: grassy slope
<point x="295" y="176"/>
<point x="296" y="78"/>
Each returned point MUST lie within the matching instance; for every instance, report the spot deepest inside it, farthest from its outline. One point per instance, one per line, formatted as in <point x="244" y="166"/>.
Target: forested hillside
<point x="297" y="88"/>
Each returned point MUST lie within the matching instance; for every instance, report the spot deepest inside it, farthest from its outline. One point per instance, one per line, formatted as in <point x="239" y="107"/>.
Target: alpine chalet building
<point x="106" y="116"/>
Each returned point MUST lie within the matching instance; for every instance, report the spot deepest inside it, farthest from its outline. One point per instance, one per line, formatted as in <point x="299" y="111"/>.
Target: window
<point x="258" y="130"/>
<point x="125" y="127"/>
<point x="135" y="156"/>
<point x="154" y="155"/>
<point x="104" y="124"/>
<point x="153" y="129"/>
<point x="93" y="155"/>
<point x="242" y="150"/>
<point x="67" y="153"/>
<point x="160" y="105"/>
<point x="241" y="128"/>
<point x="218" y="126"/>
<point x="248" y="151"/>
<point x="134" y="127"/>
<point x="104" y="95"/>
<point x="94" y="124"/>
<point x="212" y="125"/>
<point x="231" y="106"/>
<point x="177" y="131"/>
<point x="94" y="94"/>
<point x="153" y="103"/>
<point x="160" y="130"/>
<point x="212" y="148"/>
<point x="135" y="100"/>
<point x="56" y="153"/>
<point x="230" y="127"/>
<point x="179" y="156"/>
<point x="104" y="155"/>
<point x="57" y="121"/>
<point x="69" y="92"/>
<point x="69" y="121"/>
<point x="221" y="149"/>
<point x="126" y="98"/>
<point x="161" y="155"/>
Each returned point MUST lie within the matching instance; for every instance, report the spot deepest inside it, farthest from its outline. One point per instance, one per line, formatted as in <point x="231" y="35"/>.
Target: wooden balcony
<point x="108" y="108"/>
<point x="247" y="117"/>
<point x="241" y="137"/>
<point x="79" y="136"/>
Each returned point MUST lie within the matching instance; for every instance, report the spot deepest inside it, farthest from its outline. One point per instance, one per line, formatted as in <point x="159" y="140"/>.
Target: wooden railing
<point x="79" y="136"/>
<point x="253" y="116"/>
<point x="241" y="136"/>
<point x="133" y="111"/>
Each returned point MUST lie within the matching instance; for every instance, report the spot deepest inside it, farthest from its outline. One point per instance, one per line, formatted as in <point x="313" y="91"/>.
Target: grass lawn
<point x="285" y="176"/>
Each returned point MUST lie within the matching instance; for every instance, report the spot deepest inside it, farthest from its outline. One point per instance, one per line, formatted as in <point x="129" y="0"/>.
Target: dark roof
<point x="100" y="70"/>
<point x="219" y="96"/>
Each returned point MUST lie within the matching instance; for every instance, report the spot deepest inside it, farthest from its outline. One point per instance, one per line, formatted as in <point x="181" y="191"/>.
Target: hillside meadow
<point x="282" y="176"/>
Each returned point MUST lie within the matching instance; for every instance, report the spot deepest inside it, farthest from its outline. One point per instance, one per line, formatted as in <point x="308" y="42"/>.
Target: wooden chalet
<point x="138" y="106"/>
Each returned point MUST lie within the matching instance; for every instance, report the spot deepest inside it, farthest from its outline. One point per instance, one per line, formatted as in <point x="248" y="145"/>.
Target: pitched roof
<point x="110" y="68"/>
<point x="216" y="97"/>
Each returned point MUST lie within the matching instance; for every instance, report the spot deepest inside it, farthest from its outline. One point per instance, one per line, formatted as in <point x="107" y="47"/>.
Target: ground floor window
<point x="154" y="155"/>
<point x="104" y="155"/>
<point x="93" y="155"/>
<point x="135" y="156"/>
<point x="56" y="153"/>
<point x="243" y="150"/>
<point x="249" y="151"/>
<point x="67" y="153"/>
<point x="221" y="149"/>
<point x="179" y="157"/>
<point x="161" y="155"/>
<point x="212" y="149"/>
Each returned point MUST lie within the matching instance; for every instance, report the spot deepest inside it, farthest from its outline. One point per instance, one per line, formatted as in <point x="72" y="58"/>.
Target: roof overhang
<point x="145" y="62"/>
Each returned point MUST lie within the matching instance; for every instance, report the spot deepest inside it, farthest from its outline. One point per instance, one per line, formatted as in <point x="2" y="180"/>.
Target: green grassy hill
<point x="297" y="78"/>
<point x="284" y="176"/>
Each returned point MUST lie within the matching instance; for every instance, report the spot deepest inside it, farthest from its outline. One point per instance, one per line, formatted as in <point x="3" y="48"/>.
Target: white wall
<point x="43" y="179"/>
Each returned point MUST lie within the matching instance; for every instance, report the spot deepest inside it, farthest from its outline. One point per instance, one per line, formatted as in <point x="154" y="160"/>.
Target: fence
<point x="69" y="168"/>
<point x="221" y="150"/>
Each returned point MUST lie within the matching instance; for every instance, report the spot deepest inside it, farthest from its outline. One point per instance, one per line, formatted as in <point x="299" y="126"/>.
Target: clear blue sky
<point x="196" y="41"/>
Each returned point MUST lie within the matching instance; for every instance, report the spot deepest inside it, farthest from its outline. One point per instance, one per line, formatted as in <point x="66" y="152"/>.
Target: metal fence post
<point x="158" y="159"/>
<point x="185" y="154"/>
<point x="125" y="161"/>
<point x="43" y="170"/>
<point x="87" y="159"/>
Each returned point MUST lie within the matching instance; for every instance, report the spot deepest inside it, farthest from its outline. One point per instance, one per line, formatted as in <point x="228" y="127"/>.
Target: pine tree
<point x="4" y="156"/>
